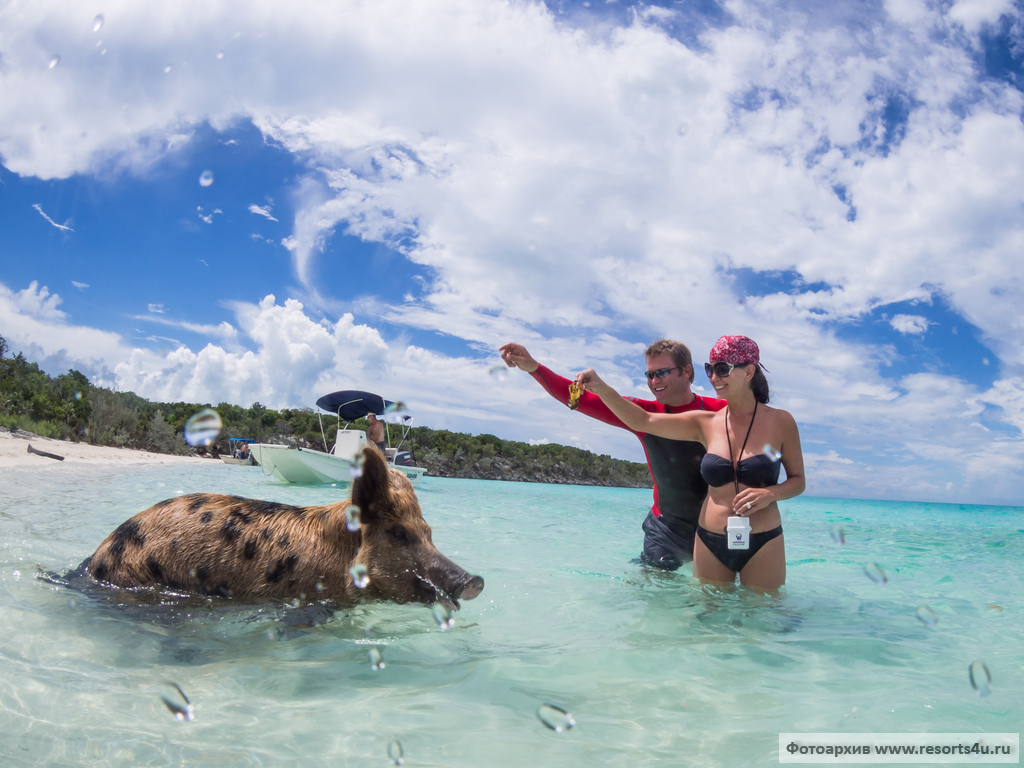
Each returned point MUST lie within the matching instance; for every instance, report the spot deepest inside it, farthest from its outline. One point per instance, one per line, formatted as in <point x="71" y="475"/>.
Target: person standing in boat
<point x="375" y="433"/>
<point x="746" y="442"/>
<point x="679" y="490"/>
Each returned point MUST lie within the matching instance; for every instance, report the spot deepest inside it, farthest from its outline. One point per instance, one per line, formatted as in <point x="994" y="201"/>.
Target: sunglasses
<point x="661" y="373"/>
<point x="721" y="369"/>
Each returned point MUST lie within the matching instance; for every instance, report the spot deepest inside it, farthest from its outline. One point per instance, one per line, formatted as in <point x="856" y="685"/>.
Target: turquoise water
<point x="655" y="668"/>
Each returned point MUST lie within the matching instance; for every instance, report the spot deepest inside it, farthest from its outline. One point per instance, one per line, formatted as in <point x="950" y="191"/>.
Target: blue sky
<point x="394" y="194"/>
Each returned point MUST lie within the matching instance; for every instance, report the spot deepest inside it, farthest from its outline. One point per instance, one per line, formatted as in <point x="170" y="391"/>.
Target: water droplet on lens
<point x="555" y="718"/>
<point x="319" y="586"/>
<point x="838" y="534"/>
<point x="683" y="129"/>
<point x="167" y="69"/>
<point x="54" y="61"/>
<point x="443" y="617"/>
<point x="875" y="573"/>
<point x="355" y="466"/>
<point x="771" y="453"/>
<point x="359" y="575"/>
<point x="981" y="678"/>
<point x="352" y="520"/>
<point x="206" y="178"/>
<point x="97" y="23"/>
<point x="498" y="371"/>
<point x="220" y="54"/>
<point x="180" y="711"/>
<point x="78" y="395"/>
<point x="202" y="428"/>
<point x="376" y="660"/>
<point x="395" y="752"/>
<point x="586" y="5"/>
<point x="926" y="616"/>
<point x="395" y="413"/>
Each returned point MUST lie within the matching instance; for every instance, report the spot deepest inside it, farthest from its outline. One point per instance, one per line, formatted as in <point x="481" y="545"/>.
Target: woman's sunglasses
<point x="721" y="369"/>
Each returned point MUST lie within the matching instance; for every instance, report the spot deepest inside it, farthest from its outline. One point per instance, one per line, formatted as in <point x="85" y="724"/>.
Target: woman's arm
<point x="676" y="426"/>
<point x="792" y="460"/>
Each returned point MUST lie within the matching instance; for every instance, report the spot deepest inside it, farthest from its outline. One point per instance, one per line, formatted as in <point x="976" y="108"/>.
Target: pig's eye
<point x="398" y="537"/>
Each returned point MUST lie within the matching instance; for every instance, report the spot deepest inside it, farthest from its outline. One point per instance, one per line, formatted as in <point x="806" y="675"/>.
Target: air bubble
<point x="220" y="54"/>
<point x="395" y="752"/>
<point x="202" y="428"/>
<point x="206" y="178"/>
<point x="498" y="371"/>
<point x="926" y="616"/>
<point x="683" y="129"/>
<point x="78" y="395"/>
<point x="443" y="617"/>
<point x="376" y="660"/>
<point x="54" y="61"/>
<point x="167" y="69"/>
<point x="838" y="534"/>
<point x="97" y="23"/>
<point x="181" y="712"/>
<point x="555" y="718"/>
<point x="875" y="573"/>
<point x="359" y="575"/>
<point x="771" y="453"/>
<point x="352" y="520"/>
<point x="980" y="677"/>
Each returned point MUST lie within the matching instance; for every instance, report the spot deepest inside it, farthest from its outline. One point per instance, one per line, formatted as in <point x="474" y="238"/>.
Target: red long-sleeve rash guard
<point x="679" y="490"/>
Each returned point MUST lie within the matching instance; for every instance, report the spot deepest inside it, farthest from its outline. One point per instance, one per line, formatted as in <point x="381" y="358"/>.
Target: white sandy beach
<point x="14" y="454"/>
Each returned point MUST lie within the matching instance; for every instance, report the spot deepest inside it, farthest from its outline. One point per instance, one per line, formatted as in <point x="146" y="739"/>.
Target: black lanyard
<point x="735" y="464"/>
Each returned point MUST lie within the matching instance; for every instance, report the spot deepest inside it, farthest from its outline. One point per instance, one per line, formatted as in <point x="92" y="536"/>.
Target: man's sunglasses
<point x="661" y="373"/>
<point x="721" y="369"/>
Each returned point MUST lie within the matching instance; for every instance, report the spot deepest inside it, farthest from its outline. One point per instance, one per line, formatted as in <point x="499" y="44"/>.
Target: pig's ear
<point x="371" y="490"/>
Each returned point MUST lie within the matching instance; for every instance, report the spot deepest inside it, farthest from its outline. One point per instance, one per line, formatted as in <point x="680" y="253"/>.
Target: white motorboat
<point x="308" y="466"/>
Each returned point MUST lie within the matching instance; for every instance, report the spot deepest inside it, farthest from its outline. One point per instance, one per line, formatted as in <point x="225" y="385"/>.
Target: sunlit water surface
<point x="653" y="667"/>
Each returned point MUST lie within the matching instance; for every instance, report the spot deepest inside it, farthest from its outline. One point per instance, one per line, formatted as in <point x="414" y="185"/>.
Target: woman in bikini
<point x="741" y="466"/>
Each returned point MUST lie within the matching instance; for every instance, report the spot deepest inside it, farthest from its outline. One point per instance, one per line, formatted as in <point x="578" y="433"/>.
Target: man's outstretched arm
<point x="517" y="356"/>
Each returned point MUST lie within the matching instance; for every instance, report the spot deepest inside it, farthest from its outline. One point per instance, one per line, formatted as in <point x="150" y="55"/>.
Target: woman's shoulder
<point x="778" y="415"/>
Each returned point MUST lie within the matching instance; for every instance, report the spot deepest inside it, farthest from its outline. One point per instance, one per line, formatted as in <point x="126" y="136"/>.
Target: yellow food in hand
<point x="575" y="390"/>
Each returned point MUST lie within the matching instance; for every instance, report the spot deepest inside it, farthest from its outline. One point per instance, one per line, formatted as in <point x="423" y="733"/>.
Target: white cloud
<point x="156" y="308"/>
<point x="264" y="211"/>
<point x="63" y="227"/>
<point x="208" y="218"/>
<point x="79" y="286"/>
<point x="910" y="324"/>
<point x="224" y="330"/>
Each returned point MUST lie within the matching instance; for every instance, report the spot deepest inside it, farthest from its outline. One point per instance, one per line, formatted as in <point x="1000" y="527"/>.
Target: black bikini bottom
<point x="735" y="559"/>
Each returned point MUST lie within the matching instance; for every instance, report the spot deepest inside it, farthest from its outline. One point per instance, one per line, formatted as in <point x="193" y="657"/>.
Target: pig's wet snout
<point x="470" y="589"/>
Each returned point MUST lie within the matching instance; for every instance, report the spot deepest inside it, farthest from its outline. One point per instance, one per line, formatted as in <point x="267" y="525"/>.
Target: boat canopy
<point x="351" y="404"/>
<point x="241" y="440"/>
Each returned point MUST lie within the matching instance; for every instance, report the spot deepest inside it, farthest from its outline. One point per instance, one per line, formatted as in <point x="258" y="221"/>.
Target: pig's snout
<point x="470" y="589"/>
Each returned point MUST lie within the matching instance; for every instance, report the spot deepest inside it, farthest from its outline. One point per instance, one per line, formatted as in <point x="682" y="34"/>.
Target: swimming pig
<point x="248" y="549"/>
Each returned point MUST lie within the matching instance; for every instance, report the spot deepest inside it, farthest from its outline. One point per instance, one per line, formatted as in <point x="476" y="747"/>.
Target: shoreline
<point x="14" y="454"/>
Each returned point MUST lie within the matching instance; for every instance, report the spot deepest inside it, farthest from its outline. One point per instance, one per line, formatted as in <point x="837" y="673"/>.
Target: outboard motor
<point x="403" y="459"/>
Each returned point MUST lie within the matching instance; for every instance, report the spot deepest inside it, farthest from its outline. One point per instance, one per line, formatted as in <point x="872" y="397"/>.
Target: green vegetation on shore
<point x="70" y="408"/>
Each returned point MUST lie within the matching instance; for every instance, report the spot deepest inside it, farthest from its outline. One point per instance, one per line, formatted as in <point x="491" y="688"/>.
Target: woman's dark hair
<point x="759" y="385"/>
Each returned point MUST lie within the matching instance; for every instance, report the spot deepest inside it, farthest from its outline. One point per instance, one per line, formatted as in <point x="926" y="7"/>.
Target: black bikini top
<point x="754" y="471"/>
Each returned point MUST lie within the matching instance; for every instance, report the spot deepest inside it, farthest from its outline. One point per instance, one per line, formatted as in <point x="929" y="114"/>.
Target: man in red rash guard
<point x="679" y="490"/>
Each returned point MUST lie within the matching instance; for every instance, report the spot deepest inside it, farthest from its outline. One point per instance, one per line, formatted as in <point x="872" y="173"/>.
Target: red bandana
<point x="735" y="350"/>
